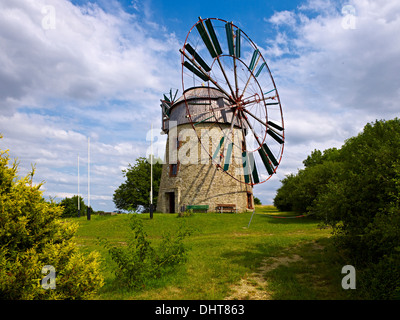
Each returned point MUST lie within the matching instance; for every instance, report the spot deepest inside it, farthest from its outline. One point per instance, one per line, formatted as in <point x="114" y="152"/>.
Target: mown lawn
<point x="222" y="251"/>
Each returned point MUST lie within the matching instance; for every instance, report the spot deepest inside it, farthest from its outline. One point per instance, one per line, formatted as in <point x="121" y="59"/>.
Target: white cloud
<point x="92" y="73"/>
<point x="89" y="55"/>
<point x="322" y="7"/>
<point x="61" y="195"/>
<point x="283" y="18"/>
<point x="100" y="73"/>
<point x="332" y="80"/>
<point x="334" y="70"/>
<point x="278" y="46"/>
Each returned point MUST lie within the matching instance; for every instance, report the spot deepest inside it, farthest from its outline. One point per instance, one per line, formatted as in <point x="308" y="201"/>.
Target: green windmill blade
<point x="237" y="43"/>
<point x="252" y="166"/>
<point x="206" y="39"/>
<point x="246" y="169"/>
<point x="275" y="136"/>
<point x="253" y="60"/>
<point x="229" y="38"/>
<point x="260" y="69"/>
<point x="265" y="160"/>
<point x="274" y="125"/>
<point x="196" y="71"/>
<point x="270" y="155"/>
<point x="228" y="156"/>
<point x="197" y="57"/>
<point x="217" y="150"/>
<point x="213" y="36"/>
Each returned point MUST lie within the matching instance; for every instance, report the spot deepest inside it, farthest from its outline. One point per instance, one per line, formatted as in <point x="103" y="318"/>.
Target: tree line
<point x="135" y="190"/>
<point x="356" y="191"/>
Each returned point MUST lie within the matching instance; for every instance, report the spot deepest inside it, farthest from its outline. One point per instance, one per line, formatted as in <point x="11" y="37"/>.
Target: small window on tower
<point x="173" y="170"/>
<point x="249" y="200"/>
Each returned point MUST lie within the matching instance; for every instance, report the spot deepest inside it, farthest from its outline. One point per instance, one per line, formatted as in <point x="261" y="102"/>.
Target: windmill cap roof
<point x="200" y="93"/>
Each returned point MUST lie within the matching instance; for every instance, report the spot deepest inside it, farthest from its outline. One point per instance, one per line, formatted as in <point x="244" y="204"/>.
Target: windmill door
<point x="171" y="200"/>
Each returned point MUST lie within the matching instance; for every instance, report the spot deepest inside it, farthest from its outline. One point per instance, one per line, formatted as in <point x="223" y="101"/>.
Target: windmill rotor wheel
<point x="232" y="101"/>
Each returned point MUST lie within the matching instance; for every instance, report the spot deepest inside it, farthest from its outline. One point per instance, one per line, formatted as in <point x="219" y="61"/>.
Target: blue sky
<point x="70" y="70"/>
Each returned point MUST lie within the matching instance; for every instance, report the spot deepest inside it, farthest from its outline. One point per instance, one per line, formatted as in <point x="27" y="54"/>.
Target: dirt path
<point x="255" y="287"/>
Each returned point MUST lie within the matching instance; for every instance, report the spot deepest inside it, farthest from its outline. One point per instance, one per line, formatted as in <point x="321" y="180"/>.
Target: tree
<point x="364" y="206"/>
<point x="135" y="191"/>
<point x="257" y="201"/>
<point x="32" y="236"/>
<point x="299" y="191"/>
<point x="70" y="206"/>
<point x="356" y="190"/>
<point x="368" y="183"/>
<point x="318" y="157"/>
<point x="285" y="195"/>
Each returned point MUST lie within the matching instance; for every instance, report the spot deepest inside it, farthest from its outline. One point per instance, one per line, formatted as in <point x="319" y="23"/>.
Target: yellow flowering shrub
<point x="32" y="236"/>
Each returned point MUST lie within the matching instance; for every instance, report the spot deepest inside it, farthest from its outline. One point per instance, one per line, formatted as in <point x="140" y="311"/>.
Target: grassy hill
<point x="272" y="259"/>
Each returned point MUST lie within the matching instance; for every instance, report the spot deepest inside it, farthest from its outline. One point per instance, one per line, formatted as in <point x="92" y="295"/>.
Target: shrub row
<point x="356" y="190"/>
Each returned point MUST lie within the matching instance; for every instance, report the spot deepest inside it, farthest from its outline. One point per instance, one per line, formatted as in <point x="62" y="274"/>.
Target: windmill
<point x="232" y="108"/>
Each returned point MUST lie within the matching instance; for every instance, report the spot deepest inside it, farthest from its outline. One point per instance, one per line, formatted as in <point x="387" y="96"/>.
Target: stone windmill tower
<point x="225" y="133"/>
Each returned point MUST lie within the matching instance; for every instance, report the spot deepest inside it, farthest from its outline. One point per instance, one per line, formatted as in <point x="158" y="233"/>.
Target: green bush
<point x="356" y="190"/>
<point x="285" y="195"/>
<point x="381" y="280"/>
<point x="135" y="191"/>
<point x="379" y="250"/>
<point x="299" y="191"/>
<point x="32" y="236"/>
<point x="140" y="262"/>
<point x="70" y="206"/>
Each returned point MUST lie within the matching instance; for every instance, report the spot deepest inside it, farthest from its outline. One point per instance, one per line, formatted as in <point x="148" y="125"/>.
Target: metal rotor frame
<point x="238" y="70"/>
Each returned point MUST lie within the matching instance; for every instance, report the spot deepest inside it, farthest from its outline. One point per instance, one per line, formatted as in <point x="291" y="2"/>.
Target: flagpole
<point x="88" y="209"/>
<point x="79" y="202"/>
<point x="151" y="172"/>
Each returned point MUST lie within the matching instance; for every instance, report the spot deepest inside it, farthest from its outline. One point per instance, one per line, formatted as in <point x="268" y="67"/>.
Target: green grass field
<point x="272" y="259"/>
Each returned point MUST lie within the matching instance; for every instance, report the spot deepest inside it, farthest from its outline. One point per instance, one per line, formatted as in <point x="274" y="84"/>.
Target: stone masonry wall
<point x="198" y="180"/>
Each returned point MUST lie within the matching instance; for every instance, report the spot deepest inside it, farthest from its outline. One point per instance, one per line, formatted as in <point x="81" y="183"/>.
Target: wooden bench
<point x="197" y="207"/>
<point x="226" y="208"/>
